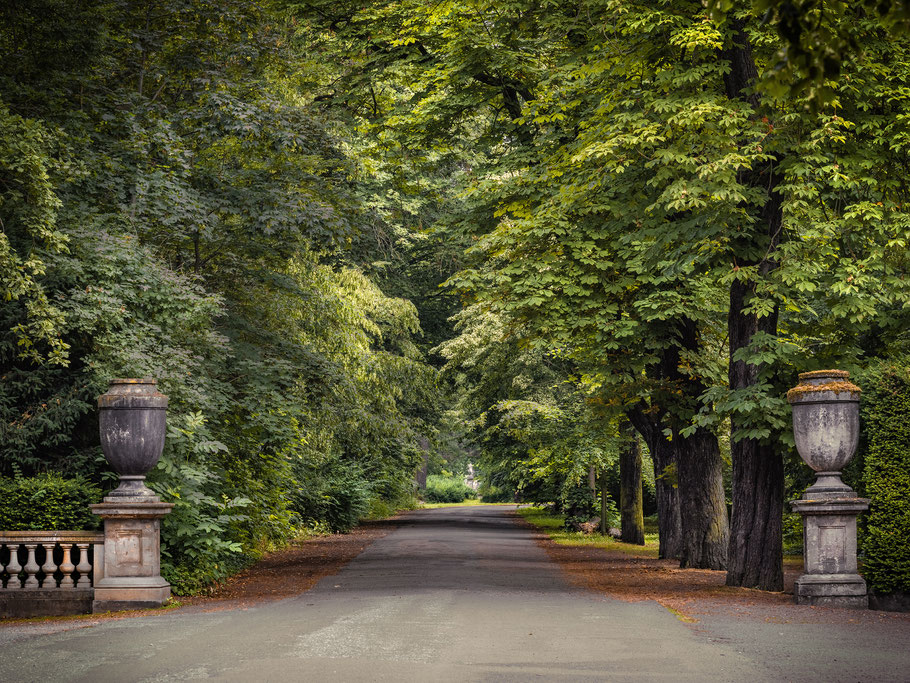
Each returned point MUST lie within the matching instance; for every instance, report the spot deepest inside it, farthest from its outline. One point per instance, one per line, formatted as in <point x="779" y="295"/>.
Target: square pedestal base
<point x="832" y="590"/>
<point x="113" y="594"/>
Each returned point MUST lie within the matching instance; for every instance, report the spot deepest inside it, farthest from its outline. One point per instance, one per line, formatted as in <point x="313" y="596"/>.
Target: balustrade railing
<point x="50" y="560"/>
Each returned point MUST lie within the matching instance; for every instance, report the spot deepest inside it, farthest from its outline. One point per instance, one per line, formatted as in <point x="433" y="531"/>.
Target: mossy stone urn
<point x="826" y="427"/>
<point x="131" y="418"/>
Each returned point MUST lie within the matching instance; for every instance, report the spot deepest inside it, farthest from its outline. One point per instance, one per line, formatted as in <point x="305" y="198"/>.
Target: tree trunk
<point x="669" y="524"/>
<point x="755" y="555"/>
<point x="604" y="496"/>
<point x="632" y="523"/>
<point x="699" y="467"/>
<point x="592" y="479"/>
<point x="702" y="504"/>
<point x="420" y="476"/>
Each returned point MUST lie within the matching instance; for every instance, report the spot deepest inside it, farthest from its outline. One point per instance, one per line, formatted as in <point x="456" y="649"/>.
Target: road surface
<point x="453" y="594"/>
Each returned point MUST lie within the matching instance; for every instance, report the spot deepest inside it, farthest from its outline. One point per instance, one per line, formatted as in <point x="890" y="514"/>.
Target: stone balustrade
<point x="48" y="573"/>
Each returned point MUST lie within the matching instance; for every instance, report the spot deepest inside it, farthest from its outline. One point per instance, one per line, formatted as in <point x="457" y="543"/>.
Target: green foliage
<point x="578" y="503"/>
<point x="817" y="39"/>
<point x="191" y="578"/>
<point x="334" y="495"/>
<point x="793" y="534"/>
<point x="554" y="527"/>
<point x="446" y="490"/>
<point x="47" y="502"/>
<point x="886" y="542"/>
<point x="257" y="203"/>
<point x="195" y="218"/>
<point x="490" y="493"/>
<point x="29" y="206"/>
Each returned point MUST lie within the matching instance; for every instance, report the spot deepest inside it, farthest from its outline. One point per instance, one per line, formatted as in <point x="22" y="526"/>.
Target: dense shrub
<point x="191" y="579"/>
<point x="496" y="494"/>
<point x="47" y="502"/>
<point x="886" y="406"/>
<point x="579" y="504"/>
<point x="792" y="526"/>
<point x="335" y="497"/>
<point x="446" y="490"/>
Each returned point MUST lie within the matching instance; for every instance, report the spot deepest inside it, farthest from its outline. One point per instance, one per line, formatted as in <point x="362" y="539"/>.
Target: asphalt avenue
<point x="453" y="594"/>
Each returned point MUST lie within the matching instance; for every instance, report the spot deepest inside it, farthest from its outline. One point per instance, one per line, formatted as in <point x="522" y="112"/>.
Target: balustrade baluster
<point x="13" y="567"/>
<point x="67" y="566"/>
<point x="49" y="567"/>
<point x="31" y="567"/>
<point x="84" y="566"/>
<point x="3" y="567"/>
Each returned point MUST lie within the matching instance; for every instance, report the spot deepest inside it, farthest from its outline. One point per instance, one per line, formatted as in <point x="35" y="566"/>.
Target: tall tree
<point x="632" y="527"/>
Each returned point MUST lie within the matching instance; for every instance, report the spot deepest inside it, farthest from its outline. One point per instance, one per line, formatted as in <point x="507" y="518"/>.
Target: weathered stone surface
<point x="829" y="553"/>
<point x="832" y="590"/>
<point x="132" y="558"/>
<point x="826" y="429"/>
<point x="22" y="603"/>
<point x="131" y="420"/>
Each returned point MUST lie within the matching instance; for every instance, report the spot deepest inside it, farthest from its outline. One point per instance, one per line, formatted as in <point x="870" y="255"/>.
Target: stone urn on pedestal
<point x="825" y="408"/>
<point x="131" y="418"/>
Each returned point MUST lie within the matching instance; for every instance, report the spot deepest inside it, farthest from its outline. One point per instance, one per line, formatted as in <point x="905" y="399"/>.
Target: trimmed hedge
<point x="886" y="420"/>
<point x="47" y="502"/>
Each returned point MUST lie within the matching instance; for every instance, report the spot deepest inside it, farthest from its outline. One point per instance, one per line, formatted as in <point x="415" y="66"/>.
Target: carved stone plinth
<point x="829" y="552"/>
<point x="132" y="554"/>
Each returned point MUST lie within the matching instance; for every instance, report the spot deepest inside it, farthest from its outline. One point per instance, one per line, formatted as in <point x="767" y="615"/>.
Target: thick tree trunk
<point x="755" y="555"/>
<point x="702" y="504"/>
<point x="632" y="523"/>
<point x="669" y="524"/>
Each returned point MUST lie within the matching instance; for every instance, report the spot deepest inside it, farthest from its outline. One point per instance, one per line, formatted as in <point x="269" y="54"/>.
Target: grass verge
<point x="464" y="503"/>
<point x="552" y="526"/>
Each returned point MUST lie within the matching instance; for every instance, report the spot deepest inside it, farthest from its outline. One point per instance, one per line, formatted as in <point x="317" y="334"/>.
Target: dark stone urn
<point x="131" y="417"/>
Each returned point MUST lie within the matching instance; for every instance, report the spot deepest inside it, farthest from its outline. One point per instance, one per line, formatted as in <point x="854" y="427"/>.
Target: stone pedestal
<point x="829" y="550"/>
<point x="131" y="573"/>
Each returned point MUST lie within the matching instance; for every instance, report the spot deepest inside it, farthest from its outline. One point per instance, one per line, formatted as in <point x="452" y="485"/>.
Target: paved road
<point x="455" y="594"/>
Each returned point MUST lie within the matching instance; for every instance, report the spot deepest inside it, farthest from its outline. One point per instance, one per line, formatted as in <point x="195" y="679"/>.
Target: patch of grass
<point x="552" y="525"/>
<point x="651" y="524"/>
<point x="383" y="509"/>
<point x="464" y="503"/>
<point x="794" y="561"/>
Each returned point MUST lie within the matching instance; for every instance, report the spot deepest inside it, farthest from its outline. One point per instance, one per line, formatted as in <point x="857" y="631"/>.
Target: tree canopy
<point x="352" y="238"/>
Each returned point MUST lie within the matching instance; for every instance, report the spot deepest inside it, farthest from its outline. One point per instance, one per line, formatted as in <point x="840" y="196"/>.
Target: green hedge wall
<point x="886" y="413"/>
<point x="47" y="502"/>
